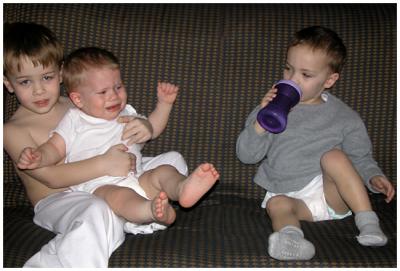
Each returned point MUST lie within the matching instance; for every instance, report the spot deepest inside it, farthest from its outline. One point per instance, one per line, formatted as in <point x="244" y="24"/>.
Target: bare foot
<point x="197" y="184"/>
<point x="163" y="212"/>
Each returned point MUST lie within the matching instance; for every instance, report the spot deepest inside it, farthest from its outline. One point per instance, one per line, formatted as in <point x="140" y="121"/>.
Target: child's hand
<point x="167" y="92"/>
<point x="269" y="96"/>
<point x="30" y="158"/>
<point x="383" y="185"/>
<point x="118" y="161"/>
<point x="137" y="130"/>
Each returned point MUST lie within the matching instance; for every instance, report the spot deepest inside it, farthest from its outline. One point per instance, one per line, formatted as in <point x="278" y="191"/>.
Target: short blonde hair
<point x="30" y="40"/>
<point x="81" y="60"/>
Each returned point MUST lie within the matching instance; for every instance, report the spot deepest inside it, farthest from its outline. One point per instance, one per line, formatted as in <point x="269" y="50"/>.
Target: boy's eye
<point x="307" y="75"/>
<point x="24" y="82"/>
<point x="47" y="77"/>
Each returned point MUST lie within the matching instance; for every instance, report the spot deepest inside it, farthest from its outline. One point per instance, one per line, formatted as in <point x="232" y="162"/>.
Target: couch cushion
<point x="221" y="231"/>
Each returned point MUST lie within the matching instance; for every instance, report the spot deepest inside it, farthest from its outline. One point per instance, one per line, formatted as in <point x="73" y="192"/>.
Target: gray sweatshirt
<point x="291" y="159"/>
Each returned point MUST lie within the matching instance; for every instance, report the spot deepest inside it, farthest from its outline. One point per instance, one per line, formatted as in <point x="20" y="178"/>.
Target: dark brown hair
<point x="325" y="39"/>
<point x="34" y="41"/>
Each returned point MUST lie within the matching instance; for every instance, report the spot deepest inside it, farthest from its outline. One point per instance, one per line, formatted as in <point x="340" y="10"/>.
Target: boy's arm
<point x="65" y="175"/>
<point x="357" y="145"/>
<point x="253" y="142"/>
<point x="139" y="130"/>
<point x="115" y="162"/>
<point x="166" y="94"/>
<point x="53" y="151"/>
<point x="49" y="153"/>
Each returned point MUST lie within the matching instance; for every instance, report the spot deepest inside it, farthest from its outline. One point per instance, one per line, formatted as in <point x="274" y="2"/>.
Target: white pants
<point x="87" y="230"/>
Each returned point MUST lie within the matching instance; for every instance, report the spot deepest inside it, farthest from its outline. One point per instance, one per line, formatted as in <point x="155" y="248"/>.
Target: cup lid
<point x="291" y="83"/>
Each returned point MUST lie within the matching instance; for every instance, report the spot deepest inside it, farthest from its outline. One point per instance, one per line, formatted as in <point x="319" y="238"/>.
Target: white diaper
<point x="314" y="198"/>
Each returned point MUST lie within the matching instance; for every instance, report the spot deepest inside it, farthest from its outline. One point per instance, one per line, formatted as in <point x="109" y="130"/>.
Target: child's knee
<point x="114" y="196"/>
<point x="156" y="174"/>
<point x="177" y="161"/>
<point x="164" y="169"/>
<point x="334" y="156"/>
<point x="277" y="204"/>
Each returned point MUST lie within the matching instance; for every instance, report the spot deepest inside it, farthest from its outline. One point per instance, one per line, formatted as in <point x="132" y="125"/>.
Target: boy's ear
<point x="331" y="80"/>
<point x="8" y="85"/>
<point x="76" y="98"/>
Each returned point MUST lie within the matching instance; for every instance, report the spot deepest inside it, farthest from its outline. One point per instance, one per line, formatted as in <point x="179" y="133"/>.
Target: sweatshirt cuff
<point x="368" y="183"/>
<point x="253" y="133"/>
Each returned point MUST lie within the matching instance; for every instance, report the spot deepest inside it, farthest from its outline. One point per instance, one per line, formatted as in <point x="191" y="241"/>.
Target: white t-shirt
<point x="86" y="136"/>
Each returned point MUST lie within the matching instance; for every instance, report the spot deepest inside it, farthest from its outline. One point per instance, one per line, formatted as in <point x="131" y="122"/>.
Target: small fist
<point x="167" y="92"/>
<point x="30" y="158"/>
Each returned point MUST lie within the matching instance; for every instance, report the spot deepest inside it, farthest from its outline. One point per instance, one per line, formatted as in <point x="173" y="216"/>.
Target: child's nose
<point x="113" y="94"/>
<point x="38" y="89"/>
<point x="295" y="79"/>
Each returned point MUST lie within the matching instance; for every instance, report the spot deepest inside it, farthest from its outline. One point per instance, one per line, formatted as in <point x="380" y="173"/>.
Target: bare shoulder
<point x="27" y="129"/>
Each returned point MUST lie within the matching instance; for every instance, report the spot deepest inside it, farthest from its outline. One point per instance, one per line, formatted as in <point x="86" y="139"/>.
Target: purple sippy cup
<point x="273" y="117"/>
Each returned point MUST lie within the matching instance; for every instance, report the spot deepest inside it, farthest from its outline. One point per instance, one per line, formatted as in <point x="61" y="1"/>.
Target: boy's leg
<point x="287" y="242"/>
<point x="344" y="188"/>
<point x="133" y="207"/>
<point x="77" y="216"/>
<point x="186" y="190"/>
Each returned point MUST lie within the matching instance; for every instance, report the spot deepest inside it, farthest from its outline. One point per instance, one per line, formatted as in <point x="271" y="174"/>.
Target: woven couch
<point x="224" y="57"/>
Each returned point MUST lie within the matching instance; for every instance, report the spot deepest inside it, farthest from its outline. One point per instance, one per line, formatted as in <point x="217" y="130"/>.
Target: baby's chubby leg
<point x="133" y="207"/>
<point x="186" y="190"/>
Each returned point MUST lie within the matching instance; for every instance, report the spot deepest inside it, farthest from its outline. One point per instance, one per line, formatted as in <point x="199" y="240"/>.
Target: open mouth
<point x="113" y="108"/>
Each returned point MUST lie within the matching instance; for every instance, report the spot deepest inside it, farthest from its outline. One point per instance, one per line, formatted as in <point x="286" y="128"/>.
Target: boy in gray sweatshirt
<point x="317" y="168"/>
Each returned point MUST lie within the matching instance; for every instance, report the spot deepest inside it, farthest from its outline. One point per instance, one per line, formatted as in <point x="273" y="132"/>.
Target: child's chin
<point x="111" y="116"/>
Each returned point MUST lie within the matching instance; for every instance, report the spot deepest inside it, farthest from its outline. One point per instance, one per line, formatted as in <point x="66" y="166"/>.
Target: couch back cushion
<point x="224" y="57"/>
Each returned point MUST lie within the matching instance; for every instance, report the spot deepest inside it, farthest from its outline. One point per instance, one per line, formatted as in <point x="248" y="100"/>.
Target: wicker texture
<point x="223" y="57"/>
